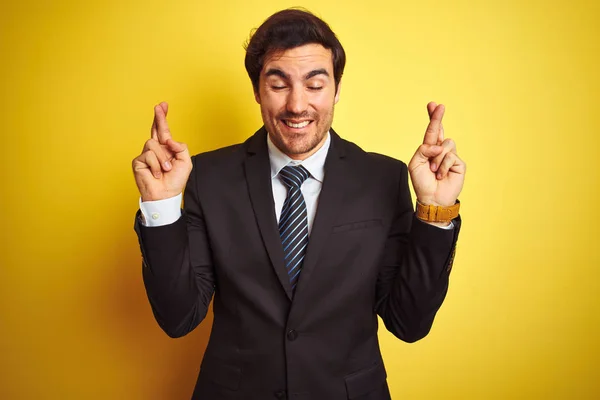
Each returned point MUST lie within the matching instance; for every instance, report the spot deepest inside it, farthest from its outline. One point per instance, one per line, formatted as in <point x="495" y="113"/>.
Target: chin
<point x="294" y="148"/>
<point x="295" y="143"/>
<point x="300" y="145"/>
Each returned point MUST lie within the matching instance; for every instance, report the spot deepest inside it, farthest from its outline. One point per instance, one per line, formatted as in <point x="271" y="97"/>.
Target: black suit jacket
<point x="367" y="256"/>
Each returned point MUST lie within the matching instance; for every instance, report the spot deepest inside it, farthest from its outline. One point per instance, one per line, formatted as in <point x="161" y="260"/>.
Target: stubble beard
<point x="298" y="144"/>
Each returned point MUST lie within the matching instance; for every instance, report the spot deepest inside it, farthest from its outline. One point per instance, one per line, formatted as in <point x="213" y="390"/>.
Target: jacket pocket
<point x="364" y="381"/>
<point x="357" y="225"/>
<point x="225" y="375"/>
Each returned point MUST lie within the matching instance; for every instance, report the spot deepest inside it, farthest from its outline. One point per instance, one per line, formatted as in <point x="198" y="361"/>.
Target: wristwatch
<point x="437" y="213"/>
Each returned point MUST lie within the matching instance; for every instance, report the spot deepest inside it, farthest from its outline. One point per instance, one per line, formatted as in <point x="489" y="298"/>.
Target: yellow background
<point x="520" y="82"/>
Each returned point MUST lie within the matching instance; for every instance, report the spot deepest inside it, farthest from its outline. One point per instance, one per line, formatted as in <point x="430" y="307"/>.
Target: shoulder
<point x="223" y="155"/>
<point x="370" y="160"/>
<point x="232" y="155"/>
<point x="383" y="177"/>
<point x="214" y="166"/>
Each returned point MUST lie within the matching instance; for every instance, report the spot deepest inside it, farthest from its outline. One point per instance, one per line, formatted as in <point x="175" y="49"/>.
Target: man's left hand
<point x="436" y="171"/>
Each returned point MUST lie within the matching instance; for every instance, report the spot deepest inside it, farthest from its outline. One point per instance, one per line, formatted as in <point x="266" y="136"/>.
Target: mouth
<point x="296" y="124"/>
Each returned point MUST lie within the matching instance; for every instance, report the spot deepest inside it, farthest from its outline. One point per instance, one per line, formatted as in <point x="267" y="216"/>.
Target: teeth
<point x="300" y="125"/>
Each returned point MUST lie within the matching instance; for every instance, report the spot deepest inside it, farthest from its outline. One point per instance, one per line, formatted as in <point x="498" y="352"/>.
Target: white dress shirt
<point x="167" y="211"/>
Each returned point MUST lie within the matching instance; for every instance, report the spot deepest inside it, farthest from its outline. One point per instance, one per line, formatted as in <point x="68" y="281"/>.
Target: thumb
<point x="427" y="151"/>
<point x="180" y="149"/>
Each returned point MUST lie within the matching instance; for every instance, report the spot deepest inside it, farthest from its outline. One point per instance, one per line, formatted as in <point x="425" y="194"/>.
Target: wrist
<point x="435" y="214"/>
<point x="430" y="202"/>
<point x="156" y="197"/>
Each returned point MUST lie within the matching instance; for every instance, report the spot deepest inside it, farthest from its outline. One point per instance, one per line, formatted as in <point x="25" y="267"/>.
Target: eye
<point x="277" y="87"/>
<point x="315" y="87"/>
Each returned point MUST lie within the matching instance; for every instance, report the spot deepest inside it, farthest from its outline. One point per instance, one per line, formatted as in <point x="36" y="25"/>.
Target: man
<point x="302" y="237"/>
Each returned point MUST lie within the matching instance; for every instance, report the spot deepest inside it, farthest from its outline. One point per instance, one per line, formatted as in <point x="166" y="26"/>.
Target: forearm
<point x="412" y="289"/>
<point x="178" y="301"/>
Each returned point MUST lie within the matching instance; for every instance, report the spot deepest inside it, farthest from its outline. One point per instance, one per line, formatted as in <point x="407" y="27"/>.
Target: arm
<point x="413" y="280"/>
<point x="177" y="269"/>
<point x="418" y="256"/>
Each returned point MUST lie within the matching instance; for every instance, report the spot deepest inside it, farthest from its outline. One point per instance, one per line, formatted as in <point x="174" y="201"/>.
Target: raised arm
<point x="413" y="281"/>
<point x="177" y="269"/>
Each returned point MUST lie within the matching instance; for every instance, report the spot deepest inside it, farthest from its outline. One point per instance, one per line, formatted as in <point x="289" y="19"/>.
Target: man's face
<point x="297" y="95"/>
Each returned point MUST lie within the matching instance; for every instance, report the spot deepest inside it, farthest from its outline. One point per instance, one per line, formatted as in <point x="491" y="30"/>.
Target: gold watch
<point x="437" y="213"/>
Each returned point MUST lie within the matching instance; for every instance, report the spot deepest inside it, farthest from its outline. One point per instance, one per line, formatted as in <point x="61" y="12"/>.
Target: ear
<point x="257" y="96"/>
<point x="337" y="93"/>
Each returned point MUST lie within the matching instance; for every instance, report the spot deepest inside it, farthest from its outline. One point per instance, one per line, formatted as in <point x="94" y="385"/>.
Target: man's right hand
<point x="163" y="168"/>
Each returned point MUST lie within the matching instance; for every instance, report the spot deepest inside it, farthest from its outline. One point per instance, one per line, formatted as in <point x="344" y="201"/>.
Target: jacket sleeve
<point x="413" y="279"/>
<point x="177" y="266"/>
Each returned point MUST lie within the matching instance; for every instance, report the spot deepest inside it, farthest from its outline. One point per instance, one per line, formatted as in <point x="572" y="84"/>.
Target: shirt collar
<point x="315" y="164"/>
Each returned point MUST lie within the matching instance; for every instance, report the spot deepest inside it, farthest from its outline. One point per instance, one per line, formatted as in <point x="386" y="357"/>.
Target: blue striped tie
<point x="293" y="223"/>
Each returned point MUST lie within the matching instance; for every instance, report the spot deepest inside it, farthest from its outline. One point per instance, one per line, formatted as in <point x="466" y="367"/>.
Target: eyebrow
<point x="281" y="74"/>
<point x="276" y="72"/>
<point x="316" y="72"/>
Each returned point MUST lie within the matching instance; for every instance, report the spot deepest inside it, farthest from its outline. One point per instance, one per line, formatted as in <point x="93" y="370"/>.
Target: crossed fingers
<point x="447" y="160"/>
<point x="157" y="152"/>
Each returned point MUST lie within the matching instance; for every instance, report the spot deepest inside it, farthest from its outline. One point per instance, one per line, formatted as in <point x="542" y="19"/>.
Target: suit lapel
<point x="258" y="177"/>
<point x="330" y="198"/>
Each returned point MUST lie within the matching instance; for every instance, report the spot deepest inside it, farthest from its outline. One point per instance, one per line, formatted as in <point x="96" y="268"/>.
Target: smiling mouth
<point x="296" y="125"/>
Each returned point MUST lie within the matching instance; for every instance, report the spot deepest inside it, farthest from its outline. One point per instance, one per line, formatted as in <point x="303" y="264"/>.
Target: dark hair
<point x="285" y="30"/>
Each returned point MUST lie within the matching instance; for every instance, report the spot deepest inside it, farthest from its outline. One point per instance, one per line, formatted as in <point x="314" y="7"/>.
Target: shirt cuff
<point x="451" y="226"/>
<point x="160" y="212"/>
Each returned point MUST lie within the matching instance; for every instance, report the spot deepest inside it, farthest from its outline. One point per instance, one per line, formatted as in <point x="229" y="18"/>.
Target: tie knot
<point x="293" y="176"/>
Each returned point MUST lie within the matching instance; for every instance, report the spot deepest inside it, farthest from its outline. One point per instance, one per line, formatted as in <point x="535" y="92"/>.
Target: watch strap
<point x="431" y="213"/>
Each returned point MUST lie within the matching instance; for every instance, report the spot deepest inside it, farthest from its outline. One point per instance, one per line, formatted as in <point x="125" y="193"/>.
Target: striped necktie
<point x="293" y="223"/>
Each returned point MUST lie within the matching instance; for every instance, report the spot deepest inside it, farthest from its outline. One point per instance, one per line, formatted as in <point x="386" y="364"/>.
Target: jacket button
<point x="292" y="335"/>
<point x="280" y="394"/>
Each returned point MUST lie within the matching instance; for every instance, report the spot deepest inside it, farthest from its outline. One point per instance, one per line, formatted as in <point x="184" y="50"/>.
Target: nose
<point x="297" y="101"/>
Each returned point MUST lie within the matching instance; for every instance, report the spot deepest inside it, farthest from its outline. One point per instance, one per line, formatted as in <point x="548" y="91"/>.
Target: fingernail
<point x="434" y="167"/>
<point x="439" y="176"/>
<point x="157" y="174"/>
<point x="167" y="165"/>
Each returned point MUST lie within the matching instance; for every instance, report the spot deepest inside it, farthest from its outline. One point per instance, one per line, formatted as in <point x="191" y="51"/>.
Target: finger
<point x="427" y="151"/>
<point x="161" y="123"/>
<point x="432" y="133"/>
<point x="449" y="146"/>
<point x="180" y="149"/>
<point x="154" y="130"/>
<point x="451" y="163"/>
<point x="430" y="108"/>
<point x="176" y="147"/>
<point x="150" y="161"/>
<point x="447" y="162"/>
<point x="163" y="155"/>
